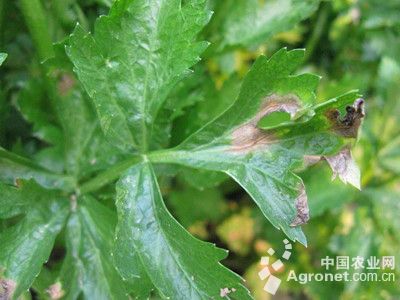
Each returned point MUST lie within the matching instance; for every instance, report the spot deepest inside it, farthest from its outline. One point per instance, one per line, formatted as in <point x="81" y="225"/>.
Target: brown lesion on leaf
<point x="310" y="160"/>
<point x="344" y="166"/>
<point x="55" y="291"/>
<point x="249" y="137"/>
<point x="225" y="291"/>
<point x="302" y="210"/>
<point x="18" y="182"/>
<point x="7" y="288"/>
<point x="65" y="84"/>
<point x="348" y="125"/>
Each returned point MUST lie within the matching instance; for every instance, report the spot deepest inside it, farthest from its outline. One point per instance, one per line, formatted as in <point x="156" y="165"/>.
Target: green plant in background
<point x="130" y="115"/>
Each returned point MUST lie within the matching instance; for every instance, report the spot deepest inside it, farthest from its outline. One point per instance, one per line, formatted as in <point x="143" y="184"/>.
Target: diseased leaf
<point x="254" y="135"/>
<point x="348" y="125"/>
<point x="343" y="165"/>
<point x="262" y="161"/>
<point x="88" y="267"/>
<point x="210" y="103"/>
<point x="132" y="61"/>
<point x="27" y="244"/>
<point x="179" y="266"/>
<point x="251" y="22"/>
<point x="302" y="211"/>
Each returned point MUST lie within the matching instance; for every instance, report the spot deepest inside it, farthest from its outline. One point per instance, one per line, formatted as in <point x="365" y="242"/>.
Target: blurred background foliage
<point x="352" y="44"/>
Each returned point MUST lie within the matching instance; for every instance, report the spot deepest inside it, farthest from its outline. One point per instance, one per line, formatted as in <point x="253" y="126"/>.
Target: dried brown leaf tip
<point x="343" y="165"/>
<point x="303" y="212"/>
<point x="310" y="160"/>
<point x="348" y="125"/>
<point x="7" y="288"/>
<point x="55" y="291"/>
<point x="249" y="137"/>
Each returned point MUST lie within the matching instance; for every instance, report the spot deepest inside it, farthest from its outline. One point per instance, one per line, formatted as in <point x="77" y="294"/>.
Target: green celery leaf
<point x="210" y="103"/>
<point x="85" y="147"/>
<point x="62" y="115"/>
<point x="386" y="206"/>
<point x="262" y="162"/>
<point x="3" y="57"/>
<point x="132" y="61"/>
<point x="36" y="108"/>
<point x="43" y="282"/>
<point x="27" y="244"/>
<point x="179" y="265"/>
<point x="389" y="156"/>
<point x="386" y="125"/>
<point x="15" y="200"/>
<point x="274" y="119"/>
<point x="88" y="267"/>
<point x="360" y="241"/>
<point x="13" y="167"/>
<point x="200" y="179"/>
<point x="251" y="22"/>
<point x="331" y="197"/>
<point x="191" y="205"/>
<point x="184" y="95"/>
